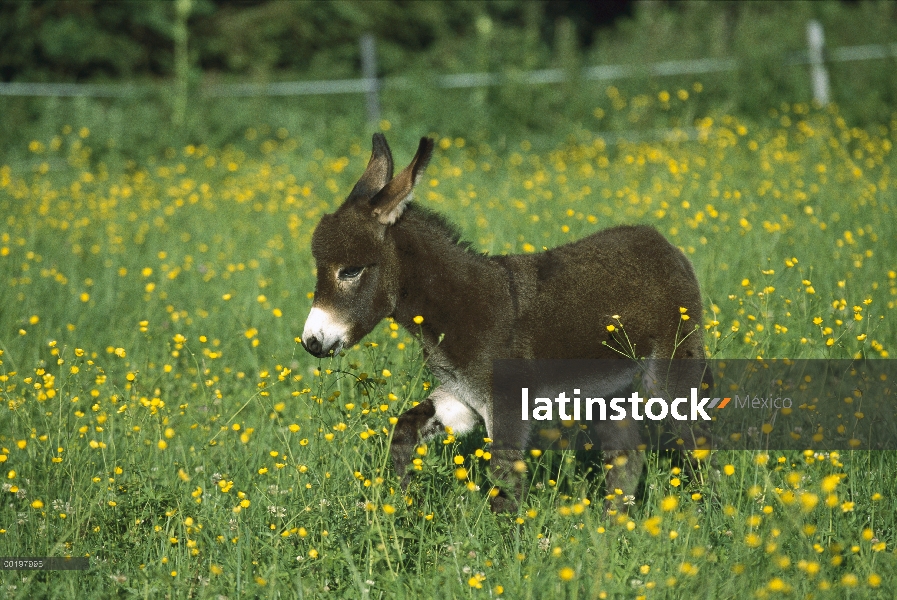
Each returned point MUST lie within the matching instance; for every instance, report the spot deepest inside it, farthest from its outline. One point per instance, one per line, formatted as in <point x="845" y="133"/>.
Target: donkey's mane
<point x="431" y="218"/>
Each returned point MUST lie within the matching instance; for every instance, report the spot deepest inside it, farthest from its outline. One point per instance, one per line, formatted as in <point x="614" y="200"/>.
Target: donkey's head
<point x="356" y="257"/>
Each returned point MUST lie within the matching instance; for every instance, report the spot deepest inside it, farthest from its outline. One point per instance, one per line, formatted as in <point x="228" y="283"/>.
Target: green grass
<point x="161" y="418"/>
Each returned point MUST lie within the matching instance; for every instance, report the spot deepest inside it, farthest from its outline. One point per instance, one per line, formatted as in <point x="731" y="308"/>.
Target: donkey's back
<point x="628" y="277"/>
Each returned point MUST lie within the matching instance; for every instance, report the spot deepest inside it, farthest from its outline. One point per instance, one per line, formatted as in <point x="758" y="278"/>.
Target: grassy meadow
<point x="160" y="416"/>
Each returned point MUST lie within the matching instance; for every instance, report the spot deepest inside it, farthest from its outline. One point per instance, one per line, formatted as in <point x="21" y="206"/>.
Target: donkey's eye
<point x="347" y="273"/>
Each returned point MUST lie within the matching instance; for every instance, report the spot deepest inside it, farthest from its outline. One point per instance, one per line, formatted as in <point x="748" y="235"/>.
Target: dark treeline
<point x="112" y="40"/>
<point x="90" y="40"/>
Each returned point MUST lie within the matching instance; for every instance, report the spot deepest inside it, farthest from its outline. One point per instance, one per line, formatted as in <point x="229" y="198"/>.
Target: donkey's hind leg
<point x="677" y="378"/>
<point x="426" y="420"/>
<point x="624" y="460"/>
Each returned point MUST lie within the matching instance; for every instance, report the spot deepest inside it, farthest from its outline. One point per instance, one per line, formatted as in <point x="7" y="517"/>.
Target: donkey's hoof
<point x="503" y="504"/>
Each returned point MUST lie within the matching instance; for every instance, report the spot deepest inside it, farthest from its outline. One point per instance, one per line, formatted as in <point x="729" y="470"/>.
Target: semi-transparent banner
<point x="723" y="404"/>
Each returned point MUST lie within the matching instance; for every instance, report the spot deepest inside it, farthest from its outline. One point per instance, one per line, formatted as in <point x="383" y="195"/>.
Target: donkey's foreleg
<point x="410" y="428"/>
<point x="507" y="476"/>
<point x="426" y="420"/>
<point x="507" y="470"/>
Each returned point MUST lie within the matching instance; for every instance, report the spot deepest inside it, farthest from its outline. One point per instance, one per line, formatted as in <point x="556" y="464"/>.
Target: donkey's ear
<point x="378" y="172"/>
<point x="390" y="202"/>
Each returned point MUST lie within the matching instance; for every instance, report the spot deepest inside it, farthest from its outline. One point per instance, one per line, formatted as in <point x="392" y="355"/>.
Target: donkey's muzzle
<point x="314" y="346"/>
<point x="324" y="333"/>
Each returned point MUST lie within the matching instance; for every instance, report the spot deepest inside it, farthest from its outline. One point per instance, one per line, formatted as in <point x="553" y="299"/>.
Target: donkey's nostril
<point x="313" y="345"/>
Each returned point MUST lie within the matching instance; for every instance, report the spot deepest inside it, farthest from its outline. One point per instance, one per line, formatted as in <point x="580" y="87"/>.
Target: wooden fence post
<point x="181" y="60"/>
<point x="818" y="72"/>
<point x="369" y="73"/>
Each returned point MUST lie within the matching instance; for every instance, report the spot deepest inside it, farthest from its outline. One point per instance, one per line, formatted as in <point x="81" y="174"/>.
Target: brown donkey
<point x="380" y="256"/>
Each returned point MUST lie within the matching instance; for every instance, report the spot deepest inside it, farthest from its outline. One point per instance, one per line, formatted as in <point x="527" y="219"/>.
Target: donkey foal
<point x="379" y="256"/>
